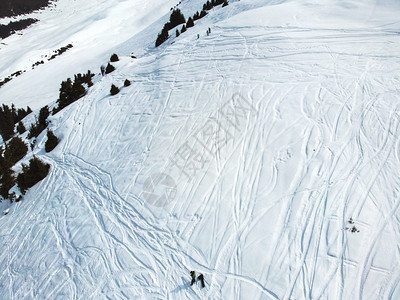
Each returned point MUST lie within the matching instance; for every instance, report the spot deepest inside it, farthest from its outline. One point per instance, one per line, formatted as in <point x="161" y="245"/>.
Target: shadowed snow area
<point x="240" y="155"/>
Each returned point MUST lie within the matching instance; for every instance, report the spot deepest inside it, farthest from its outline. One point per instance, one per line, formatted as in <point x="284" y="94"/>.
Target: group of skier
<point x="200" y="277"/>
<point x="208" y="33"/>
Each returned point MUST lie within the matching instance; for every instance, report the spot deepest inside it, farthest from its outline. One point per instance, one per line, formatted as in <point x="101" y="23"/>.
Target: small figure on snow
<point x="354" y="229"/>
<point x="103" y="70"/>
<point x="198" y="36"/>
<point x="193" y="275"/>
<point x="351" y="220"/>
<point x="201" y="278"/>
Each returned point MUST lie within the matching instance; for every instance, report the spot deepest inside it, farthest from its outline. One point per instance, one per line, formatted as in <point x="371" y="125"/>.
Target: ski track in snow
<point x="265" y="217"/>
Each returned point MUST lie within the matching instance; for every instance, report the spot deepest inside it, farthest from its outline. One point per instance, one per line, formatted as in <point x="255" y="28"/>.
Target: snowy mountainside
<point x="241" y="155"/>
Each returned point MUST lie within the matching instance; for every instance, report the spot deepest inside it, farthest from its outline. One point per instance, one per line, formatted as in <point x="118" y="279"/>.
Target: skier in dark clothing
<point x="201" y="278"/>
<point x="193" y="275"/>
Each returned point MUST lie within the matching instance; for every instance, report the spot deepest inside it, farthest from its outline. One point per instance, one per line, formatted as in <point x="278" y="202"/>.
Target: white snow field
<point x="240" y="155"/>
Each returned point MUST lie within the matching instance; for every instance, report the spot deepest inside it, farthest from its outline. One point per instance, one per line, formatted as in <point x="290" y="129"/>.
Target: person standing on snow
<point x="201" y="278"/>
<point x="193" y="275"/>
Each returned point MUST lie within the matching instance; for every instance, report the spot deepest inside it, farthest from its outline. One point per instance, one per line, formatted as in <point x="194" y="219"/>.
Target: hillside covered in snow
<point x="260" y="148"/>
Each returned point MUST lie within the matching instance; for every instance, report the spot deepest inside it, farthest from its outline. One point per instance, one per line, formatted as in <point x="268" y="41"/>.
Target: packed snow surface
<point x="241" y="155"/>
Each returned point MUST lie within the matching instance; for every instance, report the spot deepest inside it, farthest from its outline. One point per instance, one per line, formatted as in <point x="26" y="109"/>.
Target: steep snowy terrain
<point x="240" y="155"/>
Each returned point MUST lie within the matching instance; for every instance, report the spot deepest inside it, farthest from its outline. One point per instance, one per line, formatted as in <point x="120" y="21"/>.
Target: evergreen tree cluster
<point x="210" y="4"/>
<point x="162" y="37"/>
<point x="9" y="116"/>
<point x="7" y="181"/>
<point x="5" y="80"/>
<point x="176" y="18"/>
<point x="15" y="149"/>
<point x="32" y="174"/>
<point x="198" y="15"/>
<point x="41" y="123"/>
<point x="60" y="51"/>
<point x="189" y="23"/>
<point x="70" y="91"/>
<point x="12" y="27"/>
<point x="18" y="7"/>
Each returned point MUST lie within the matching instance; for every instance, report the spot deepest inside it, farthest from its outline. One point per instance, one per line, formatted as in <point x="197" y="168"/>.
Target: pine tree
<point x="78" y="90"/>
<point x="52" y="141"/>
<point x="41" y="123"/>
<point x="114" y="90"/>
<point x="114" y="58"/>
<point x="183" y="28"/>
<point x="176" y="18"/>
<point x="20" y="127"/>
<point x="225" y="3"/>
<point x="127" y="82"/>
<point x="43" y="114"/>
<point x="89" y="78"/>
<point x="32" y="174"/>
<point x="7" y="181"/>
<point x="189" y="23"/>
<point x="21" y="113"/>
<point x="6" y="123"/>
<point x="177" y="33"/>
<point x="109" y="68"/>
<point x="203" y="13"/>
<point x="64" y="99"/>
<point x="162" y="37"/>
<point x="15" y="150"/>
<point x="14" y="113"/>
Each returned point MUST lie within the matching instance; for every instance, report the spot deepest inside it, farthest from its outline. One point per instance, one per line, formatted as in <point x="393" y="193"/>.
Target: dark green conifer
<point x="32" y="174"/>
<point x="189" y="23"/>
<point x="15" y="150"/>
<point x="52" y="141"/>
<point x="114" y="90"/>
<point x="109" y="68"/>
<point x="114" y="58"/>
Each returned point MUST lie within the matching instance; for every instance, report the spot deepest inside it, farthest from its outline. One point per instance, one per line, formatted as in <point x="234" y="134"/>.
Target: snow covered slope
<point x="240" y="155"/>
